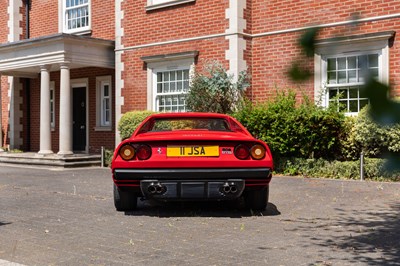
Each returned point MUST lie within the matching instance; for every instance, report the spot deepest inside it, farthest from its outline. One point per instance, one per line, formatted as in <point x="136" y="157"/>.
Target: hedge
<point x="130" y="121"/>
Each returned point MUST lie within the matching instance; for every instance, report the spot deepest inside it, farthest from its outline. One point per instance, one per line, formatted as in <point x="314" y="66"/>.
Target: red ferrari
<point x="191" y="156"/>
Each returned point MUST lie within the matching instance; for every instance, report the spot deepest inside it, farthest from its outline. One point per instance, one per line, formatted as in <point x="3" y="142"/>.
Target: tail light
<point x="143" y="152"/>
<point x="242" y="152"/>
<point x="127" y="152"/>
<point x="257" y="152"/>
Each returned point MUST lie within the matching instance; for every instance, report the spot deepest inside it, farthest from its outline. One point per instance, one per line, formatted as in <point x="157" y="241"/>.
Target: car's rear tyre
<point x="257" y="199"/>
<point x="124" y="200"/>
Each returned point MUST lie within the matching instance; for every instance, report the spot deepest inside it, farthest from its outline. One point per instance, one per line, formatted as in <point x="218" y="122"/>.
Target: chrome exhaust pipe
<point x="226" y="188"/>
<point x="159" y="189"/>
<point x="152" y="189"/>
<point x="233" y="189"/>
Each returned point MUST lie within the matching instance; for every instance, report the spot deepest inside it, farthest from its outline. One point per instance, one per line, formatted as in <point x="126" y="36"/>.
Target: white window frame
<point x="364" y="45"/>
<point x="154" y="68"/>
<point x="156" y="4"/>
<point x="101" y="124"/>
<point x="52" y="106"/>
<point x="63" y="23"/>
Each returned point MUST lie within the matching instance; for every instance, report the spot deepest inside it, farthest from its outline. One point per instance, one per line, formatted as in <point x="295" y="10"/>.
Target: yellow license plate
<point x="196" y="151"/>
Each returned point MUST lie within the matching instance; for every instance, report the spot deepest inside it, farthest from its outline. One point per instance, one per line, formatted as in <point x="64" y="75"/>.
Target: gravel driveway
<point x="67" y="217"/>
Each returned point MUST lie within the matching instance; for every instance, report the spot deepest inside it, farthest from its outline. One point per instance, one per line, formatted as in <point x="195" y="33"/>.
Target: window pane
<point x="373" y="60"/>
<point x="352" y="62"/>
<point x="331" y="77"/>
<point x="353" y="106"/>
<point x="341" y="63"/>
<point x="186" y="74"/>
<point x="374" y="73"/>
<point x="332" y="64"/>
<point x="343" y="106"/>
<point x="343" y="94"/>
<point x="342" y="77"/>
<point x="332" y="93"/>
<point x="106" y="91"/>
<point x="352" y="76"/>
<point x="180" y="75"/>
<point x="353" y="93"/>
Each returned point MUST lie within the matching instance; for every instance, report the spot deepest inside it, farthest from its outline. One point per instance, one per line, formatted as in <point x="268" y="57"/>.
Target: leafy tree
<point x="214" y="90"/>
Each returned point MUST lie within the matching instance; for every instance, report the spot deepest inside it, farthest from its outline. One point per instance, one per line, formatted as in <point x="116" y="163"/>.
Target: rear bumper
<point x="197" y="183"/>
<point x="192" y="174"/>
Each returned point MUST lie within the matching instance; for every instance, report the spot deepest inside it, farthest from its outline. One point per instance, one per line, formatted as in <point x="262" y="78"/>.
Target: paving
<point x="59" y="216"/>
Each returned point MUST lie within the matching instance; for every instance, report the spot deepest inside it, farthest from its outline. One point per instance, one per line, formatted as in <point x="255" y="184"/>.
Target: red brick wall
<point x="272" y="56"/>
<point x="172" y="23"/>
<point x="177" y="22"/>
<point x="44" y="18"/>
<point x="135" y="74"/>
<point x="96" y="138"/>
<point x="3" y="21"/>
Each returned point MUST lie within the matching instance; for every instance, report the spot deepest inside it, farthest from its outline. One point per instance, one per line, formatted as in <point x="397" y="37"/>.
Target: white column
<point x="65" y="112"/>
<point x="45" y="127"/>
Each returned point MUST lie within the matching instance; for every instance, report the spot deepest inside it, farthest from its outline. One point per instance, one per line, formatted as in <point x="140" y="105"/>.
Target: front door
<point x="79" y="119"/>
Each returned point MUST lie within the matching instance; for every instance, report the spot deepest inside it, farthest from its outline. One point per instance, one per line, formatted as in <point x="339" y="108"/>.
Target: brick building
<point x="70" y="68"/>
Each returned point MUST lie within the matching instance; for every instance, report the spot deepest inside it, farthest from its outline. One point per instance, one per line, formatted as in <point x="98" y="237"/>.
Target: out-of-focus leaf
<point x="297" y="73"/>
<point x="307" y="41"/>
<point x="383" y="110"/>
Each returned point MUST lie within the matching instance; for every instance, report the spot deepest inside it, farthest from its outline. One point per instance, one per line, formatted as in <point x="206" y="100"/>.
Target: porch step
<point x="53" y="160"/>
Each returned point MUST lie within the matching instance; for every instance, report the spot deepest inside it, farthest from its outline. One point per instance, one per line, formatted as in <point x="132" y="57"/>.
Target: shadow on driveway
<point x="360" y="232"/>
<point x="200" y="209"/>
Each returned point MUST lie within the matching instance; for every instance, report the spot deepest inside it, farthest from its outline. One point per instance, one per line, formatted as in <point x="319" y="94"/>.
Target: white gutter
<point x="258" y="35"/>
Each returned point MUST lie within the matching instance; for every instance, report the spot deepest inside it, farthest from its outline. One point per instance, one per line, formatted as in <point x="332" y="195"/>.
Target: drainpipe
<point x="28" y="81"/>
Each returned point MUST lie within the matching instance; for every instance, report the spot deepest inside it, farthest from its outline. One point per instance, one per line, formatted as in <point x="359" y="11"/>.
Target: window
<point x="338" y="66"/>
<point x="344" y="79"/>
<point x="52" y="106"/>
<point x="76" y="16"/>
<point x="156" y="4"/>
<point x="168" y="78"/>
<point x="171" y="87"/>
<point x="104" y="103"/>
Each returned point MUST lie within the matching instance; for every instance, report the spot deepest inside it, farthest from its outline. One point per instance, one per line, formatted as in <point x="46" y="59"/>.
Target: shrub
<point x="130" y="121"/>
<point x="304" y="131"/>
<point x="373" y="169"/>
<point x="214" y="90"/>
<point x="373" y="139"/>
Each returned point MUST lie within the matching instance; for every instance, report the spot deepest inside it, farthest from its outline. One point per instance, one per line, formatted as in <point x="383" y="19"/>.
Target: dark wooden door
<point x="79" y="119"/>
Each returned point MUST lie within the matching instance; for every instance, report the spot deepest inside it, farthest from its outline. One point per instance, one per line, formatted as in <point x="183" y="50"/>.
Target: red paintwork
<point x="159" y="140"/>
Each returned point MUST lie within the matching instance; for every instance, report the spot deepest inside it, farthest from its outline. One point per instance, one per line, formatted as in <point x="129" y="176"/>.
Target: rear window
<point x="173" y="124"/>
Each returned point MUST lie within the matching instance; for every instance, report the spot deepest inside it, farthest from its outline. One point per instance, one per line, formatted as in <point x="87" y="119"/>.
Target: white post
<point x="45" y="126"/>
<point x="65" y="142"/>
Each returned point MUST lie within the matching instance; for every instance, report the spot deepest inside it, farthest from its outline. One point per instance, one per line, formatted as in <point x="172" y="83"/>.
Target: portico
<point x="39" y="57"/>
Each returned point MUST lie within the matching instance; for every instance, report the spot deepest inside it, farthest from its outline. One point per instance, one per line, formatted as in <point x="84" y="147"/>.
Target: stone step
<point x="53" y="160"/>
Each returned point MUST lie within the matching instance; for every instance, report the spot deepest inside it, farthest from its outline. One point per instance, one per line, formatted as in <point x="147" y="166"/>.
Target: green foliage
<point x="130" y="121"/>
<point x="374" y="139"/>
<point x="291" y="130"/>
<point x="108" y="155"/>
<point x="214" y="90"/>
<point x="373" y="169"/>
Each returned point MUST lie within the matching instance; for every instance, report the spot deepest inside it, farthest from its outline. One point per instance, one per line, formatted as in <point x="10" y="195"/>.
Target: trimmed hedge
<point x="130" y="121"/>
<point x="374" y="169"/>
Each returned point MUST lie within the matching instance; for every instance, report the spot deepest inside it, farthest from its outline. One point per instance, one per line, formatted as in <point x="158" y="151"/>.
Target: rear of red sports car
<point x="191" y="156"/>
